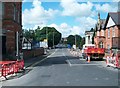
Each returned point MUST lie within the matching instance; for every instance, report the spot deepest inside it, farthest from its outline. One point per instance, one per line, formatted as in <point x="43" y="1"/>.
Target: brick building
<point x="11" y="23"/>
<point x="99" y="38"/>
<point x="108" y="32"/>
<point x="112" y="28"/>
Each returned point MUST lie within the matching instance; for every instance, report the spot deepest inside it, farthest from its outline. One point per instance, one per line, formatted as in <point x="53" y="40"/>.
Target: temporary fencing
<point x="10" y="67"/>
<point x="113" y="61"/>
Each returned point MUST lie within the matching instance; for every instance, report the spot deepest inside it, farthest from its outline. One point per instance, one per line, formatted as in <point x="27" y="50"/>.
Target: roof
<point x="100" y="25"/>
<point x="103" y="23"/>
<point x="25" y="40"/>
<point x="115" y="16"/>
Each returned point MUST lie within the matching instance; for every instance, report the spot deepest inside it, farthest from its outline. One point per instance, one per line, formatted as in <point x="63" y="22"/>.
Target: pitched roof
<point x="100" y="25"/>
<point x="116" y="17"/>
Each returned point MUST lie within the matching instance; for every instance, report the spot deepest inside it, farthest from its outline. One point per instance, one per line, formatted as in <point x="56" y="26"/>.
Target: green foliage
<point x="71" y="40"/>
<point x="40" y="35"/>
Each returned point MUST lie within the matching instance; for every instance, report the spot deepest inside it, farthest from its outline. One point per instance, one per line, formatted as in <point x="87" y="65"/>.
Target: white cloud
<point x="87" y="21"/>
<point x="107" y="7"/>
<point x="37" y="15"/>
<point x="116" y="0"/>
<point x="67" y="30"/>
<point x="73" y="8"/>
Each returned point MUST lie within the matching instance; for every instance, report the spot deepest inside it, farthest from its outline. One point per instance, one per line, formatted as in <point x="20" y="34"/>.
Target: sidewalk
<point x="31" y="61"/>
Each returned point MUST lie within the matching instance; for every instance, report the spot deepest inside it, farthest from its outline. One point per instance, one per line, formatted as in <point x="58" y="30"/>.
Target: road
<point x="63" y="69"/>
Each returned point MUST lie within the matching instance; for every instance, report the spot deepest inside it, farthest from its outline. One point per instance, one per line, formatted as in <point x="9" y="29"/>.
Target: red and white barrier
<point x="10" y="67"/>
<point x="113" y="61"/>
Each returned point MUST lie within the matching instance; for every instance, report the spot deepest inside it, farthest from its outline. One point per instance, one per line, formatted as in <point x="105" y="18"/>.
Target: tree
<point x="48" y="32"/>
<point x="71" y="40"/>
<point x="41" y="34"/>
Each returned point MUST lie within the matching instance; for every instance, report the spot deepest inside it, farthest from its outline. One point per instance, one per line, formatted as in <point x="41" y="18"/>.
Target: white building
<point x="26" y="44"/>
<point x="88" y="37"/>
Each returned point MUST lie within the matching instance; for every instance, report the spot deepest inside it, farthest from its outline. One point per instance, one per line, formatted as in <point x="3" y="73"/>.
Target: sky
<point x="70" y="17"/>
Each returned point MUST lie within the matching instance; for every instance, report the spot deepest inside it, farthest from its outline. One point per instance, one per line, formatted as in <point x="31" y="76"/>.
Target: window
<point x="108" y="32"/>
<point x="1" y="10"/>
<point x="101" y="45"/>
<point x="98" y="33"/>
<point x="18" y="17"/>
<point x="113" y="32"/>
<point x="88" y="39"/>
<point x="102" y="33"/>
<point x="108" y="46"/>
<point x="14" y="12"/>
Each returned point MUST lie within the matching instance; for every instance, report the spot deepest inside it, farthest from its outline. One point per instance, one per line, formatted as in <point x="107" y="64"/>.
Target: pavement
<point x="61" y="68"/>
<point x="31" y="61"/>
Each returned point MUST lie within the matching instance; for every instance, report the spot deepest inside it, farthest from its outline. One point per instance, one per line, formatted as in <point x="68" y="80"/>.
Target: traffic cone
<point x="88" y="59"/>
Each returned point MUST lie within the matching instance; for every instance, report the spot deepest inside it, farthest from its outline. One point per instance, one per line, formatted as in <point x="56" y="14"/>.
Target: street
<point x="62" y="69"/>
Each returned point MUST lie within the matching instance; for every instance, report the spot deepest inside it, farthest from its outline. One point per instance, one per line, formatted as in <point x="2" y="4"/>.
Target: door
<point x="3" y="45"/>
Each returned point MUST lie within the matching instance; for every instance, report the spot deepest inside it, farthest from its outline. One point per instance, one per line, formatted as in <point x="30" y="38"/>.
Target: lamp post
<point x="46" y="37"/>
<point x="53" y="39"/>
<point x="75" y="42"/>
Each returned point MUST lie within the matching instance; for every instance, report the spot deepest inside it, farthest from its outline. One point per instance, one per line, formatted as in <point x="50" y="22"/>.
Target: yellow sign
<point x="45" y="40"/>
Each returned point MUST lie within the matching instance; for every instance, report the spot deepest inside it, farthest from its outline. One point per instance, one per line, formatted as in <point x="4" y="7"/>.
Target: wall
<point x="32" y="53"/>
<point x="11" y="25"/>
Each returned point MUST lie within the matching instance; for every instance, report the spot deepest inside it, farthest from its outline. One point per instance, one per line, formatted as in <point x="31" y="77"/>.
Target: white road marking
<point x="84" y="64"/>
<point x="43" y="59"/>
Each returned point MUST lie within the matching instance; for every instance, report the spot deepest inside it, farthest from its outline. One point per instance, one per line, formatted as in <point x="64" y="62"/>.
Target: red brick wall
<point x="99" y="38"/>
<point x="32" y="53"/>
<point x="11" y="25"/>
<point x="109" y="40"/>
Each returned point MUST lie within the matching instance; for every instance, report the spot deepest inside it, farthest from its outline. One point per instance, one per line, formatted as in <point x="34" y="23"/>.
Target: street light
<point x="46" y="37"/>
<point x="75" y="42"/>
<point x="53" y="39"/>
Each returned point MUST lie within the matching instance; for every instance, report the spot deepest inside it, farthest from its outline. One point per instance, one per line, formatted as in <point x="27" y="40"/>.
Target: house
<point x="112" y="28"/>
<point x="108" y="33"/>
<point x="11" y="22"/>
<point x="26" y="44"/>
<point x="88" y="36"/>
<point x="99" y="39"/>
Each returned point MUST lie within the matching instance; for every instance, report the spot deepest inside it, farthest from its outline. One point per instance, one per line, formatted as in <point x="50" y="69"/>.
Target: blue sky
<point x="68" y="17"/>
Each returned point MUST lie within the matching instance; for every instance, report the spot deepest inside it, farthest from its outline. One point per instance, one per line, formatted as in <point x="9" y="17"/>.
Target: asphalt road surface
<point x="63" y="69"/>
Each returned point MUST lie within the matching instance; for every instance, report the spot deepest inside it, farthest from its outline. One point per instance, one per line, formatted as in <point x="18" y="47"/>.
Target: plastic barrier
<point x="10" y="67"/>
<point x="118" y="61"/>
<point x="113" y="61"/>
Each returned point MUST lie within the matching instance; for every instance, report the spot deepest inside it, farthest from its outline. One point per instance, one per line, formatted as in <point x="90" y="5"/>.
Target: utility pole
<point x="75" y="42"/>
<point x="47" y="36"/>
<point x="53" y="39"/>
